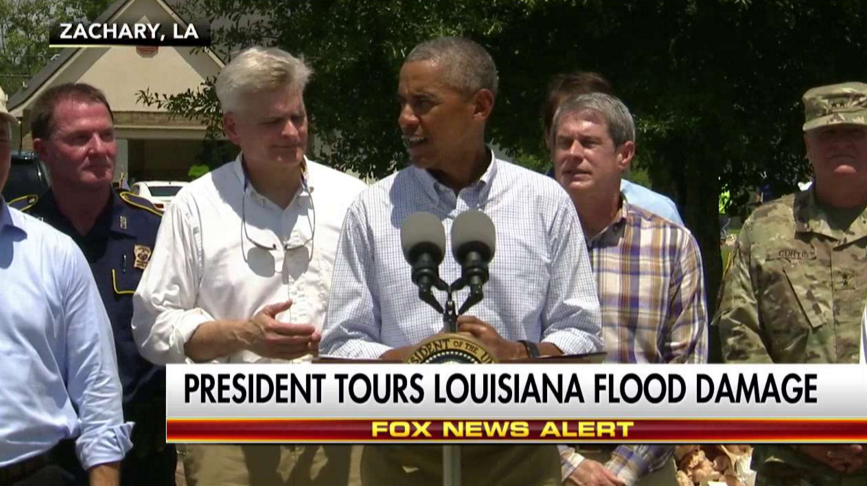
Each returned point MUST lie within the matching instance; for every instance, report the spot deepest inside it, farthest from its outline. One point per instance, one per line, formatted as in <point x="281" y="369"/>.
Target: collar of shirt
<point x="11" y="219"/>
<point x="269" y="221"/>
<point x="239" y="168"/>
<point x="116" y="218"/>
<point x="475" y="195"/>
<point x="7" y="219"/>
<point x="611" y="235"/>
<point x="5" y="215"/>
<point x="810" y="218"/>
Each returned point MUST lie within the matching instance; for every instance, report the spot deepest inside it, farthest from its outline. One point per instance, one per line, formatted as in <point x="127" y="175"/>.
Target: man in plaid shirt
<point x="648" y="272"/>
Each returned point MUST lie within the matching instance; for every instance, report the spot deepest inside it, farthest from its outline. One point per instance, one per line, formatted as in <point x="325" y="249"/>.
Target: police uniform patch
<point x="142" y="256"/>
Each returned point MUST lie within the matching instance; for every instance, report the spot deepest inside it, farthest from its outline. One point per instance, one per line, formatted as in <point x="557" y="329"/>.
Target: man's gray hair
<point x="621" y="126"/>
<point x="259" y="70"/>
<point x="468" y="66"/>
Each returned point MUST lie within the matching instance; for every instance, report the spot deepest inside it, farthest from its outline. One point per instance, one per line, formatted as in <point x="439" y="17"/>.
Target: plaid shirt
<point x="651" y="291"/>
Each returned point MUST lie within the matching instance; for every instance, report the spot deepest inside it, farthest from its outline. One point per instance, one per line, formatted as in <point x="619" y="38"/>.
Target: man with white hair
<point x="241" y="270"/>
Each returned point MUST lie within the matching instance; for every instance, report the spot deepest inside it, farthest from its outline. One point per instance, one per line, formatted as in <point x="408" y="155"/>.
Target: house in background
<point x="152" y="144"/>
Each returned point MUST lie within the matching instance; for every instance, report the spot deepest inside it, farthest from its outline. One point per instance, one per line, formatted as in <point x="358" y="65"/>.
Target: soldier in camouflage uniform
<point x="796" y="286"/>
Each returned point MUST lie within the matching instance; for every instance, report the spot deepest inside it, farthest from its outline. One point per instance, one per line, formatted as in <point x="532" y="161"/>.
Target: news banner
<point x="516" y="403"/>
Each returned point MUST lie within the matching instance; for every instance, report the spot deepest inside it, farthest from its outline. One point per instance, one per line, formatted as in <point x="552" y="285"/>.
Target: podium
<point x="452" y="452"/>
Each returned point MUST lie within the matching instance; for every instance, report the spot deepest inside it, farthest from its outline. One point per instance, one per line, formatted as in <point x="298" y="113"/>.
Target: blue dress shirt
<point x="58" y="377"/>
<point x="110" y="248"/>
<point x="541" y="287"/>
<point x="654" y="202"/>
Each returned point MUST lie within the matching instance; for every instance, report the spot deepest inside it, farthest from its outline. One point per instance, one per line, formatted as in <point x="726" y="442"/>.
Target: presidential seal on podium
<point x="450" y="348"/>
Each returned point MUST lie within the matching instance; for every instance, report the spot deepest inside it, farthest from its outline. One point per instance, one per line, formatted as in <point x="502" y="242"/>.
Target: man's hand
<point x="264" y="335"/>
<point x="847" y="458"/>
<point x="592" y="473"/>
<point x="852" y="456"/>
<point x="499" y="347"/>
<point x="105" y="474"/>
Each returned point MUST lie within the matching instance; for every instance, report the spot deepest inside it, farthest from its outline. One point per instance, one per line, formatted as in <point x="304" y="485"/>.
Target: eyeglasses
<point x="286" y="247"/>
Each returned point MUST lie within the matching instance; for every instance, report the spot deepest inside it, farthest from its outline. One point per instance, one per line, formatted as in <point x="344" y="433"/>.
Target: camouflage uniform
<point x="795" y="291"/>
<point x="796" y="287"/>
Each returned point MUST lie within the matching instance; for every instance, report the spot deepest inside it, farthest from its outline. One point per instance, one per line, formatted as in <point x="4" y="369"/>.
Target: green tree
<point x="24" y="28"/>
<point x="715" y="85"/>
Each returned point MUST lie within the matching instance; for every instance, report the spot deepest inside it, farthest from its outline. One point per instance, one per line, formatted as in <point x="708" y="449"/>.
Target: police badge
<point x="142" y="255"/>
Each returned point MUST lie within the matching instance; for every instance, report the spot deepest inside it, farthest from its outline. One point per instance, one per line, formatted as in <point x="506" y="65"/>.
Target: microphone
<point x="473" y="244"/>
<point x="423" y="241"/>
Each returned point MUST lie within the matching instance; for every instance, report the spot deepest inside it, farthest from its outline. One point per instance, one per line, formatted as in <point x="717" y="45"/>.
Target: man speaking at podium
<point x="540" y="299"/>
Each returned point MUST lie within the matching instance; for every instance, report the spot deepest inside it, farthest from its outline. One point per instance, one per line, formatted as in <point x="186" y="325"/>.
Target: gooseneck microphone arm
<point x="426" y="276"/>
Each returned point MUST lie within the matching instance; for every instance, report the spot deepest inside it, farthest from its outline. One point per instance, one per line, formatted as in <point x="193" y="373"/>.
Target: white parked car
<point x="158" y="192"/>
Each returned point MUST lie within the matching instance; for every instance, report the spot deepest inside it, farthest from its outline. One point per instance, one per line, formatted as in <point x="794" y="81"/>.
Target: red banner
<point x="516" y="431"/>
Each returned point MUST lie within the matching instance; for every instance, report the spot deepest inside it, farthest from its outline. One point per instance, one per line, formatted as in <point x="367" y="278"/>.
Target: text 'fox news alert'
<point x="95" y="34"/>
<point x="516" y="403"/>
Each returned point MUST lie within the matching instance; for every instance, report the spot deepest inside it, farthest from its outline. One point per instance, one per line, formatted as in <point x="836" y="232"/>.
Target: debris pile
<point x="714" y="465"/>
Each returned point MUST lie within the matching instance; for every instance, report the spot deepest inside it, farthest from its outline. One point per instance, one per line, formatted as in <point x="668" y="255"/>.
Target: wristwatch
<point x="532" y="348"/>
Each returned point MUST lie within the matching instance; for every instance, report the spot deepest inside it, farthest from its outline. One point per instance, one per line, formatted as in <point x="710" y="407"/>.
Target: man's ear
<point x="41" y="149"/>
<point x="230" y="127"/>
<point x="625" y="153"/>
<point x="483" y="104"/>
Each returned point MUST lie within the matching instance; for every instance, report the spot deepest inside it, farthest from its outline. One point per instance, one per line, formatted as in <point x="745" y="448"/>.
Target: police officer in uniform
<point x="73" y="133"/>
<point x="798" y="279"/>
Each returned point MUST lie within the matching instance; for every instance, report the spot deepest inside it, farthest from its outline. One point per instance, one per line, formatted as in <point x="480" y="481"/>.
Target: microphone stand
<point x="450" y="314"/>
<point x="451" y="452"/>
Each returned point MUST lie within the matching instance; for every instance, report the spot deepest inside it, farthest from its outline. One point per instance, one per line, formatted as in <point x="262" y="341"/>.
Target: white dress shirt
<point x="541" y="287"/>
<point x="208" y="266"/>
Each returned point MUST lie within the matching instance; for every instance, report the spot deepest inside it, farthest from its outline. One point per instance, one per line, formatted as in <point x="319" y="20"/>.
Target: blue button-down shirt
<point x="541" y="287"/>
<point x="654" y="202"/>
<point x="118" y="249"/>
<point x="58" y="377"/>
